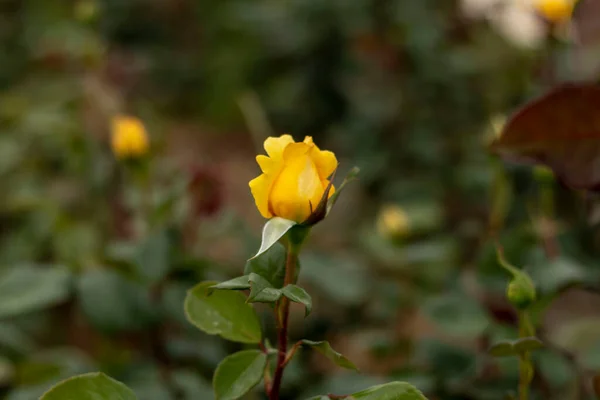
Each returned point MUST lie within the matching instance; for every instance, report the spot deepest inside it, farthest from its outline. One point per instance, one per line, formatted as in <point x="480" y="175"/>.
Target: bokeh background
<point x="96" y="256"/>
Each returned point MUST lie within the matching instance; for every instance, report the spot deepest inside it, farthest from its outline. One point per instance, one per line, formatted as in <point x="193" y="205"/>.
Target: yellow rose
<point x="294" y="178"/>
<point x="129" y="138"/>
<point x="555" y="10"/>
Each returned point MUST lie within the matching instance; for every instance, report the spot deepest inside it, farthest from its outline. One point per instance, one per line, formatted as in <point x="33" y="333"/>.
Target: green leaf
<point x="324" y="348"/>
<point x="270" y="265"/>
<point x="94" y="386"/>
<point x="457" y="315"/>
<point x="298" y="295"/>
<point x="261" y="290"/>
<point x="239" y="283"/>
<point x="112" y="302"/>
<point x="390" y="391"/>
<point x="527" y="344"/>
<point x="273" y="230"/>
<point x="507" y="348"/>
<point x="238" y="373"/>
<point x="28" y="288"/>
<point x="504" y="348"/>
<point x="152" y="257"/>
<point x="223" y="313"/>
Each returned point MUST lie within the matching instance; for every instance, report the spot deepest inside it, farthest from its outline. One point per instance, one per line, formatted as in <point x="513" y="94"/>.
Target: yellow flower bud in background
<point x="555" y="10"/>
<point x="294" y="178"/>
<point x="129" y="137"/>
<point x="392" y="222"/>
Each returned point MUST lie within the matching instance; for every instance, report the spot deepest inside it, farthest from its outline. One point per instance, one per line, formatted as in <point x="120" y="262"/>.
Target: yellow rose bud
<point x="294" y="178"/>
<point x="555" y="10"/>
<point x="393" y="222"/>
<point x="129" y="138"/>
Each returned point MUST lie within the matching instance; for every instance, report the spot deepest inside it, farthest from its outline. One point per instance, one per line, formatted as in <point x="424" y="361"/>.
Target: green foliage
<point x="270" y="265"/>
<point x="153" y="257"/>
<point x="515" y="347"/>
<point x="325" y="349"/>
<point x="94" y="386"/>
<point x="394" y="390"/>
<point x="221" y="312"/>
<point x="97" y="256"/>
<point x="28" y="288"/>
<point x="298" y="295"/>
<point x="238" y="373"/>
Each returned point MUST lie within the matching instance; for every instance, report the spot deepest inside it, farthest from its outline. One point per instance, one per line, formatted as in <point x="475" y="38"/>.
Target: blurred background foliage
<point x="96" y="255"/>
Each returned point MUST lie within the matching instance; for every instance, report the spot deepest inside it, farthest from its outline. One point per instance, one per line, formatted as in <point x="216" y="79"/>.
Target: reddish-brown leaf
<point x="560" y="129"/>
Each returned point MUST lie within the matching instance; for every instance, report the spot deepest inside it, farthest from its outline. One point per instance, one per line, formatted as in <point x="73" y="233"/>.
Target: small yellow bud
<point x="393" y="222"/>
<point x="129" y="137"/>
<point x="555" y="10"/>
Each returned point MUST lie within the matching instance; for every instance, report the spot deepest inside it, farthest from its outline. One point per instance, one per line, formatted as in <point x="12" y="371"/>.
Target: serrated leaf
<point x="239" y="283"/>
<point x="527" y="344"/>
<point x="222" y="312"/>
<point x="298" y="295"/>
<point x="261" y="290"/>
<point x="325" y="348"/>
<point x="238" y="373"/>
<point x="93" y="386"/>
<point x="273" y="230"/>
<point x="28" y="288"/>
<point x="270" y="265"/>
<point x="390" y="391"/>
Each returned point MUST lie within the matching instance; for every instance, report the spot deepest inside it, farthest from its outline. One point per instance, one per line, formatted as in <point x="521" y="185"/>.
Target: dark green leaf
<point x="503" y="349"/>
<point x="527" y="344"/>
<point x="238" y="373"/>
<point x="112" y="302"/>
<point x="261" y="290"/>
<point x="223" y="313"/>
<point x="94" y="386"/>
<point x="152" y="257"/>
<point x="457" y="314"/>
<point x="239" y="283"/>
<point x="270" y="265"/>
<point x="324" y="348"/>
<point x="298" y="295"/>
<point x="30" y="288"/>
<point x="390" y="391"/>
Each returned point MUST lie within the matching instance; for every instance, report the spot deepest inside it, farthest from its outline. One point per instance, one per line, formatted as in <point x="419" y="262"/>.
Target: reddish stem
<point x="283" y="311"/>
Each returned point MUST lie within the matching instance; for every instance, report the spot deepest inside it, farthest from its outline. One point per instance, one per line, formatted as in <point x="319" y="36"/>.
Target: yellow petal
<point x="265" y="163"/>
<point x="325" y="161"/>
<point x="556" y="10"/>
<point x="260" y="188"/>
<point x="275" y="146"/>
<point x="298" y="189"/>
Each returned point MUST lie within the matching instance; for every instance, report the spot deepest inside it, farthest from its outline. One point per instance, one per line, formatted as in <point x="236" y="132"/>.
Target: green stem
<point x="526" y="329"/>
<point x="282" y="311"/>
